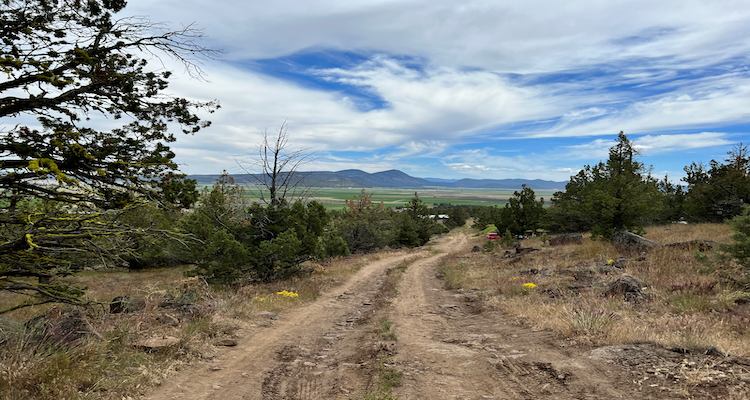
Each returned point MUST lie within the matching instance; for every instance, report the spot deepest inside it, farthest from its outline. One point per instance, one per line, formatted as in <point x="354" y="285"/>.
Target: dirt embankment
<point x="446" y="349"/>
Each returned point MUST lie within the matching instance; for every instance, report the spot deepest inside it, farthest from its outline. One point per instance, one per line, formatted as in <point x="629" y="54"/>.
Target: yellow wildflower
<point x="529" y="285"/>
<point x="609" y="262"/>
<point x="287" y="294"/>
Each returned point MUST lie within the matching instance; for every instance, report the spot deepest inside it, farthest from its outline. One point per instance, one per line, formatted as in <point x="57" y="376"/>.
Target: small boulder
<point x="156" y="343"/>
<point x="612" y="266"/>
<point x="477" y="249"/>
<point x="226" y="342"/>
<point x="267" y="314"/>
<point x="698" y="244"/>
<point x="627" y="242"/>
<point x="628" y="286"/>
<point x="126" y="304"/>
<point x="525" y="250"/>
<point x="186" y="309"/>
<point x="570" y="238"/>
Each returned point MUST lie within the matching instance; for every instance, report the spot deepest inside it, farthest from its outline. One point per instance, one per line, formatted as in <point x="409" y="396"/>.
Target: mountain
<point x="440" y="180"/>
<point x="394" y="179"/>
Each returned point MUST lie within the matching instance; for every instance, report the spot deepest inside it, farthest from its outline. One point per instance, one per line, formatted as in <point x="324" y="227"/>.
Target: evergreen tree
<point x="522" y="212"/>
<point x="718" y="192"/>
<point x="608" y="197"/>
<point x="65" y="187"/>
<point x="740" y="249"/>
<point x="415" y="227"/>
<point x="364" y="225"/>
<point x="260" y="242"/>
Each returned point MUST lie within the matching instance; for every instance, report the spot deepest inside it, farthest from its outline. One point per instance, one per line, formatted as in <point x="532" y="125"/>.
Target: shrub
<point x="740" y="249"/>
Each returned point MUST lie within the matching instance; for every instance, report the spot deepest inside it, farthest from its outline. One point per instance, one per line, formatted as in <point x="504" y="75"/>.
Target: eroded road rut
<point x="445" y="350"/>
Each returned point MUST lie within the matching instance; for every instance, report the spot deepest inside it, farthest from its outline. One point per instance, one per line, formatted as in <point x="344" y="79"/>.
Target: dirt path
<point x="448" y="351"/>
<point x="306" y="354"/>
<point x="445" y="349"/>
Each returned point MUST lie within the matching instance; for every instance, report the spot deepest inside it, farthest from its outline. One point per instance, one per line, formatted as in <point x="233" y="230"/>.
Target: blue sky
<point x="470" y="89"/>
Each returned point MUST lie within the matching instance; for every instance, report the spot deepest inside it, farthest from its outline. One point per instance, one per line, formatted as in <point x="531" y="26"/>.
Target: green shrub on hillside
<point x="740" y="249"/>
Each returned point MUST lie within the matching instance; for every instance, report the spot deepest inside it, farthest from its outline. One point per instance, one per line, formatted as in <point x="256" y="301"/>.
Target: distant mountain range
<point x="394" y="179"/>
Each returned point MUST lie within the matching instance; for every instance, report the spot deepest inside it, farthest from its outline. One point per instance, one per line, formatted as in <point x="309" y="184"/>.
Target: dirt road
<point x="445" y="349"/>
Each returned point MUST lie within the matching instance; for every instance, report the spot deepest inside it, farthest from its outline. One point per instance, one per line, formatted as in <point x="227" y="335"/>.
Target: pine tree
<point x="611" y="196"/>
<point x="65" y="185"/>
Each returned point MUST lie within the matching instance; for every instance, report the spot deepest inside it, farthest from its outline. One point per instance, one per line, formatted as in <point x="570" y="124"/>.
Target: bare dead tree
<point x="275" y="173"/>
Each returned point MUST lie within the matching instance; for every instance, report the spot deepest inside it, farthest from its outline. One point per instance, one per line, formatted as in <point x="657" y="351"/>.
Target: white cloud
<point x="700" y="103"/>
<point x="481" y="73"/>
<point x="429" y="148"/>
<point x="595" y="150"/>
<point x="528" y="36"/>
<point x="658" y="144"/>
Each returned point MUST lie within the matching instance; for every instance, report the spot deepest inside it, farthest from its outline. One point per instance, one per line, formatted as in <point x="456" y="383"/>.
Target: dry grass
<point x="113" y="368"/>
<point x="689" y="308"/>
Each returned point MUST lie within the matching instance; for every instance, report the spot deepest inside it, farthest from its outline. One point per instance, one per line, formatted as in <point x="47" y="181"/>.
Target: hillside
<point x="395" y="179"/>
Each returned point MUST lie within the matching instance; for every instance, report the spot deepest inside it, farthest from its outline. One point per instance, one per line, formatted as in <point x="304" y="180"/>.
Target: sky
<point x="467" y="89"/>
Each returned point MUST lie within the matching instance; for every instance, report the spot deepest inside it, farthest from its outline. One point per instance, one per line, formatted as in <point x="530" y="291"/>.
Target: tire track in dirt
<point x="310" y="353"/>
<point x="448" y="351"/>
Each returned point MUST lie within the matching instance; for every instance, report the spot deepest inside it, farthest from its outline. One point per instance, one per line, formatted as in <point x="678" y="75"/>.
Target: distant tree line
<point x="621" y="194"/>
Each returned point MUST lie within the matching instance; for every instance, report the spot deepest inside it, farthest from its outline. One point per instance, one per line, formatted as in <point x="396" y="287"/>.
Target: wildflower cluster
<point x="609" y="262"/>
<point x="259" y="298"/>
<point x="287" y="294"/>
<point x="528" y="287"/>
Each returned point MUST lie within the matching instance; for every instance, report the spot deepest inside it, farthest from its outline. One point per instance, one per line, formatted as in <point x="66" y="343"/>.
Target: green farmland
<point x="333" y="198"/>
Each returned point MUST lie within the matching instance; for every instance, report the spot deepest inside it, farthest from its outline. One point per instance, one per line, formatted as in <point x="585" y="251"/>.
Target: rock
<point x="189" y="296"/>
<point x="126" y="304"/>
<point x="627" y="286"/>
<point x="470" y="297"/>
<point x="535" y="271"/>
<point x="157" y="343"/>
<point x="570" y="238"/>
<point x="61" y="325"/>
<point x="626" y="283"/>
<point x="186" y="309"/>
<point x="477" y="249"/>
<point x="612" y="266"/>
<point x="226" y="342"/>
<point x="627" y="242"/>
<point x="525" y="250"/>
<point x="607" y="269"/>
<point x="266" y="314"/>
<point x="698" y="244"/>
<point x="713" y="351"/>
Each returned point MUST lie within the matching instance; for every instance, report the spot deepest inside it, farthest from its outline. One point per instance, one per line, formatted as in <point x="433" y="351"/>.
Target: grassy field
<point x="687" y="305"/>
<point x="333" y="198"/>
